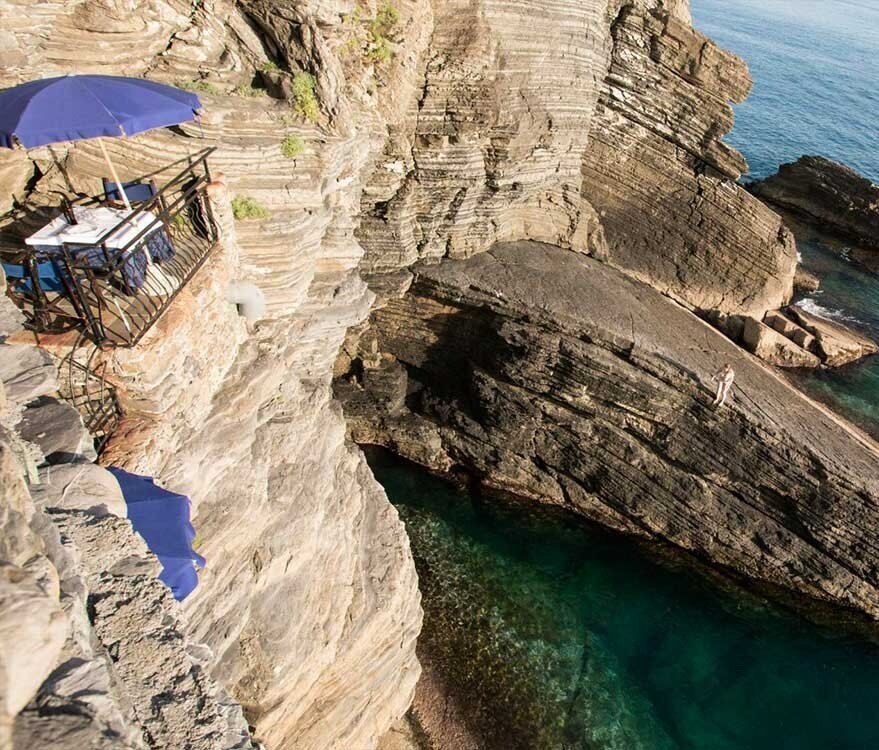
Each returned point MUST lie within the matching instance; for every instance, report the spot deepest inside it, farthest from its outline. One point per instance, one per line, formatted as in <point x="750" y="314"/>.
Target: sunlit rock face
<point x="309" y="602"/>
<point x="593" y="126"/>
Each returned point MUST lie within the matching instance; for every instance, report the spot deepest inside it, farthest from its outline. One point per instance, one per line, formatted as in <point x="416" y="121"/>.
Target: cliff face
<point x="556" y="378"/>
<point x="309" y="602"/>
<point x="595" y="126"/>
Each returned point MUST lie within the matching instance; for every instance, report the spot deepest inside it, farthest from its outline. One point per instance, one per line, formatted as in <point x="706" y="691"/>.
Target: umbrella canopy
<point x="161" y="517"/>
<point x="72" y="108"/>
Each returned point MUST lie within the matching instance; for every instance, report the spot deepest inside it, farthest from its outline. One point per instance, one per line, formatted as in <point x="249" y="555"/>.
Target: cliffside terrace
<point x="90" y="264"/>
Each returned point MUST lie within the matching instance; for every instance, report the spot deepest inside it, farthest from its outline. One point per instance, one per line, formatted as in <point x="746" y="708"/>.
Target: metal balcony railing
<point x="84" y="385"/>
<point x="117" y="284"/>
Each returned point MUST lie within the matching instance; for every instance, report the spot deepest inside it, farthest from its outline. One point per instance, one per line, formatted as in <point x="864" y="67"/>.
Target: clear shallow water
<point x="563" y="637"/>
<point x="815" y="65"/>
<point x="849" y="294"/>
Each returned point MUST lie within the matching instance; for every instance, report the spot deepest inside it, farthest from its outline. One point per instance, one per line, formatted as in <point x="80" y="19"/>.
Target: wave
<point x="813" y="308"/>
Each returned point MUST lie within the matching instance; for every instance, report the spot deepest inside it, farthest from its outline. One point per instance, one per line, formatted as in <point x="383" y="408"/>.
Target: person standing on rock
<point x="724" y="378"/>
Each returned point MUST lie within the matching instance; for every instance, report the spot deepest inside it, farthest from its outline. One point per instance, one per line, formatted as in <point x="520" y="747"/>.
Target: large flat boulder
<point x="836" y="344"/>
<point x="551" y="375"/>
<point x="58" y="430"/>
<point x="774" y="347"/>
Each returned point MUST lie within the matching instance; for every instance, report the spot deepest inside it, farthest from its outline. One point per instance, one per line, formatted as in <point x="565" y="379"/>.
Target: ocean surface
<point x="815" y="65"/>
<point x="556" y="636"/>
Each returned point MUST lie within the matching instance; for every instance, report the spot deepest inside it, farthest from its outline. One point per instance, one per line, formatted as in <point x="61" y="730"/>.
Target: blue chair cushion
<point x="47" y="273"/>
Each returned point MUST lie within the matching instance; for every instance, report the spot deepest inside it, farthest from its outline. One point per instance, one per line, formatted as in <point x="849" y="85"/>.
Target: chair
<point x="136" y="191"/>
<point x="47" y="277"/>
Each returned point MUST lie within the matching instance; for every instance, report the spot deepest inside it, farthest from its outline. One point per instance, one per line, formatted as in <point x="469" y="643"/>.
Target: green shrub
<point x="383" y="23"/>
<point x="199" y="86"/>
<point x="292" y="146"/>
<point x="386" y="18"/>
<point x="381" y="50"/>
<point x="244" y="207"/>
<point x="269" y="66"/>
<point x="304" y="99"/>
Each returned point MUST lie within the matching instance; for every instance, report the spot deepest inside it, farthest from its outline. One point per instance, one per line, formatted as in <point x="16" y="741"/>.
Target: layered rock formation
<point x="554" y="377"/>
<point x="592" y="126"/>
<point x="309" y="602"/>
<point x="827" y="194"/>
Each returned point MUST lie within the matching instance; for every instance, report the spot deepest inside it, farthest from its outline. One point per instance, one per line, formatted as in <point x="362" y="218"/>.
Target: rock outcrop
<point x="552" y="376"/>
<point x="827" y="194"/>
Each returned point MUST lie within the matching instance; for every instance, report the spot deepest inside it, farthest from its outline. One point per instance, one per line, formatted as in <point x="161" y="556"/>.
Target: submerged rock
<point x="550" y="375"/>
<point x="830" y="195"/>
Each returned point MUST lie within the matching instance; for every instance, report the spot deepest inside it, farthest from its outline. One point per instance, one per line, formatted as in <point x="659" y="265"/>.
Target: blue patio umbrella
<point x="76" y="107"/>
<point x="161" y="517"/>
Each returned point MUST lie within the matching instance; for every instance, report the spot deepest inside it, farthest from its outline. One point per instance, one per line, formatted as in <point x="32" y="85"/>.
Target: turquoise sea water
<point x="558" y="637"/>
<point x="815" y="65"/>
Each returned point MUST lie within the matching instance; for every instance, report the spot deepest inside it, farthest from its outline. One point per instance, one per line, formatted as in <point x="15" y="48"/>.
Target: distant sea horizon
<point x="815" y="65"/>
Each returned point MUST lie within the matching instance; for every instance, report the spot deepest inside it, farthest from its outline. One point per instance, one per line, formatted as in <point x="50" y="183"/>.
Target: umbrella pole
<point x="114" y="175"/>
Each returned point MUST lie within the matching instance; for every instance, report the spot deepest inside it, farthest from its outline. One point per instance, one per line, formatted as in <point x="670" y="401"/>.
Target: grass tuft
<point x="384" y="22"/>
<point x="245" y="208"/>
<point x="199" y="86"/>
<point x="305" y="103"/>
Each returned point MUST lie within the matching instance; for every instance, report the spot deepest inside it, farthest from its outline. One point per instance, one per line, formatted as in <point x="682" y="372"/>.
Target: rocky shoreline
<point x="827" y="194"/>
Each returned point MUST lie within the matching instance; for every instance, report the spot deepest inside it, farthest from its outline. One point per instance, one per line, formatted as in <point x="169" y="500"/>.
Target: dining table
<point x="100" y="234"/>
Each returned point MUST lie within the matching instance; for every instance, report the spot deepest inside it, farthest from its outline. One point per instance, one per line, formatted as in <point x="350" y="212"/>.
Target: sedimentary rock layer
<point x="555" y="377"/>
<point x="827" y="194"/>
<point x="592" y="126"/>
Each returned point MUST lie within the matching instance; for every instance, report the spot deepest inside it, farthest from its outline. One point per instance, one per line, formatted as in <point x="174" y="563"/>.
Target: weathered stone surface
<point x="79" y="486"/>
<point x="550" y="375"/>
<point x="27" y="373"/>
<point x="805" y="281"/>
<point x="775" y="347"/>
<point x="32" y="625"/>
<point x="57" y="428"/>
<point x="662" y="180"/>
<point x="836" y="344"/>
<point x="830" y="195"/>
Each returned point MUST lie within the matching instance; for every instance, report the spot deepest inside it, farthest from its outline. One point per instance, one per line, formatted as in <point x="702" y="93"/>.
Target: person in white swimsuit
<point x="724" y="378"/>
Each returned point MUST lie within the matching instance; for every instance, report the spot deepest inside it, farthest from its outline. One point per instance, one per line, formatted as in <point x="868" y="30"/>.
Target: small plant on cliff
<point x="244" y="207"/>
<point x="292" y="146"/>
<point x="304" y="99"/>
<point x="199" y="86"/>
<point x="383" y="24"/>
<point x="269" y="66"/>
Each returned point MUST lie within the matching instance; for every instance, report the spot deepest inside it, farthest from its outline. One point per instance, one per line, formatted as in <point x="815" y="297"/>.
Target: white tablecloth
<point x="93" y="223"/>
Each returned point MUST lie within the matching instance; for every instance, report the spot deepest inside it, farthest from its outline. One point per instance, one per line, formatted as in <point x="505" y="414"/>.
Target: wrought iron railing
<point x="117" y="285"/>
<point x="84" y="385"/>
